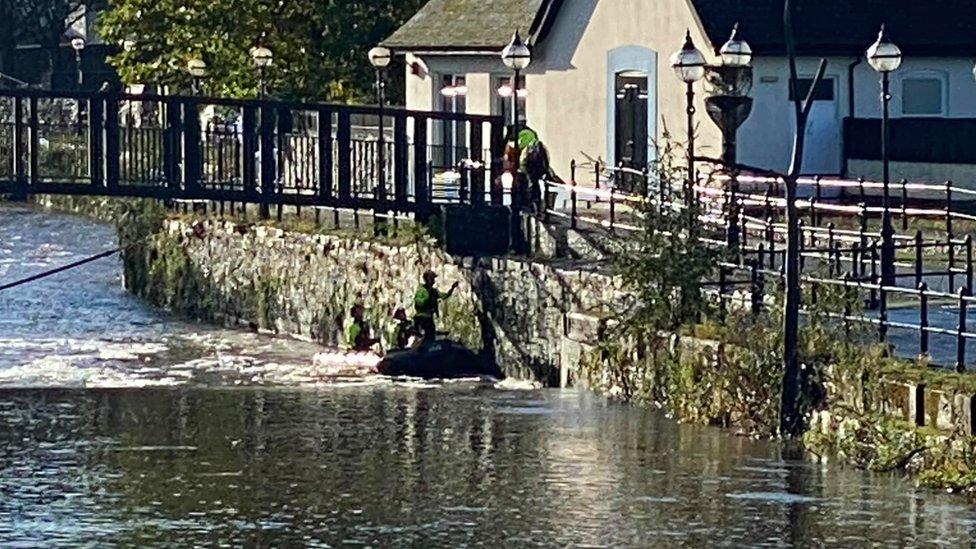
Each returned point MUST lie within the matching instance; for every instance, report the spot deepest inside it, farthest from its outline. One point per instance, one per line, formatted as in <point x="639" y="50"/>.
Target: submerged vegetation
<point x="677" y="349"/>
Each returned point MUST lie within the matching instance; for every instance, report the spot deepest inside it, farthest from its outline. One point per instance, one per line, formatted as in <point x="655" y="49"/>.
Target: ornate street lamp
<point x="198" y="70"/>
<point x="689" y="65"/>
<point x="263" y="58"/>
<point x="78" y="44"/>
<point x="380" y="58"/>
<point x="735" y="52"/>
<point x="729" y="105"/>
<point x="517" y="57"/>
<point x="885" y="57"/>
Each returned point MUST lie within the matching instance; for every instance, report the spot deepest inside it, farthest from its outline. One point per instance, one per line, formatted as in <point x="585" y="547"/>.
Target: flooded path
<point x="121" y="426"/>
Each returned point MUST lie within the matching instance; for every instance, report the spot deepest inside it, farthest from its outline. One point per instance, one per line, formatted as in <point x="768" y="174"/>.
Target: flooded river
<point x="121" y="426"/>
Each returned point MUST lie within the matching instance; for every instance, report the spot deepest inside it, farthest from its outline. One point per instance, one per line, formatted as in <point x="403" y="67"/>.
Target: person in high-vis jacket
<point x="426" y="303"/>
<point x="358" y="333"/>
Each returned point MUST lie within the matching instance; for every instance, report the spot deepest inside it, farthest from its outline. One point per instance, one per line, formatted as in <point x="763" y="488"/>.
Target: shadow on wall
<point x="560" y="47"/>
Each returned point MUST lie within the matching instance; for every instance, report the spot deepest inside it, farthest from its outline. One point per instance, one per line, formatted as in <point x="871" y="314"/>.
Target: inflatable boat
<point x="442" y="359"/>
<point x="346" y="363"/>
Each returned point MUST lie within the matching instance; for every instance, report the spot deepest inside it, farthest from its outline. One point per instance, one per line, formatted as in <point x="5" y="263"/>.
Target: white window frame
<point x="924" y="74"/>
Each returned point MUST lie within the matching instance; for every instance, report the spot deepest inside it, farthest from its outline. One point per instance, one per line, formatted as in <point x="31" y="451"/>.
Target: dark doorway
<point x="631" y="120"/>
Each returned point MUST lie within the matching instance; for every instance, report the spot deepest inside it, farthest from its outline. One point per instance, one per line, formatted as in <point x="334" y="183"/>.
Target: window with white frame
<point x="454" y="91"/>
<point x="503" y="105"/>
<point x="923" y="94"/>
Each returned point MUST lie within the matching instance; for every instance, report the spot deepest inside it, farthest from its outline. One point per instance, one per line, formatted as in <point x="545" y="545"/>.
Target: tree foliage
<point x="36" y="22"/>
<point x="319" y="46"/>
<point x="664" y="265"/>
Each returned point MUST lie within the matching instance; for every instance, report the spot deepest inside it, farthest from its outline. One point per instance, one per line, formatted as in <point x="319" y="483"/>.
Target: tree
<point x="319" y="46"/>
<point x="790" y="420"/>
<point x="36" y="22"/>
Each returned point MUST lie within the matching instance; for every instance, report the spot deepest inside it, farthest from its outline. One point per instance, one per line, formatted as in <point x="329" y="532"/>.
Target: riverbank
<point x="549" y="320"/>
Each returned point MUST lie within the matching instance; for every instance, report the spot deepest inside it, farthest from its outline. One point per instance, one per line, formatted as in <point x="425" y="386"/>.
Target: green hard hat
<point x="526" y="138"/>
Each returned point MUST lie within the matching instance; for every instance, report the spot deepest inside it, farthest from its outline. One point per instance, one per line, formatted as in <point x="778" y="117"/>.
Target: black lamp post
<point x="380" y="58"/>
<point x="263" y="58"/>
<point x="729" y="105"/>
<point x="517" y="57"/>
<point x="885" y="57"/>
<point x="689" y="65"/>
<point x="198" y="70"/>
<point x="78" y="44"/>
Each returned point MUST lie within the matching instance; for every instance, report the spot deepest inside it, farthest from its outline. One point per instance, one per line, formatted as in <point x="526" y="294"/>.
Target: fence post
<point x="743" y="226"/>
<point x="874" y="275"/>
<point x="756" y="286"/>
<point x="863" y="224"/>
<point x="420" y="174"/>
<point x="19" y="148"/>
<point x="96" y="153"/>
<point x="596" y="175"/>
<point x="952" y="263"/>
<point x="572" y="199"/>
<point x="112" y="145"/>
<point x="847" y="304"/>
<point x="269" y="164"/>
<point x="497" y="162"/>
<point x="818" y="195"/>
<point x="250" y="146"/>
<point x="948" y="207"/>
<point x="324" y="144"/>
<point x="192" y="168"/>
<point x="344" y="158"/>
<point x="961" y="331"/>
<point x="477" y="189"/>
<point x="613" y="207"/>
<point x="732" y="214"/>
<point x="918" y="257"/>
<point x="969" y="260"/>
<point x="904" y="204"/>
<point x="771" y="242"/>
<point x="801" y="242"/>
<point x="35" y="146"/>
<point x="882" y="314"/>
<point x="923" y="320"/>
<point x="721" y="290"/>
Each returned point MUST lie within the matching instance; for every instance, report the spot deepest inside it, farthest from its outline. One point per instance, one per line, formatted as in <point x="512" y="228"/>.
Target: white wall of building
<point x="765" y="139"/>
<point x="570" y="88"/>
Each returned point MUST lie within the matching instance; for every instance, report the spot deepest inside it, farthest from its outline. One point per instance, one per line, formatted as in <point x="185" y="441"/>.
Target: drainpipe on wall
<point x="850" y="100"/>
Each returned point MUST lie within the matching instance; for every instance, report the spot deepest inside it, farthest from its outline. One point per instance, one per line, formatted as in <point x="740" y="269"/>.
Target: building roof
<point x="845" y="27"/>
<point x="823" y="27"/>
<point x="473" y="25"/>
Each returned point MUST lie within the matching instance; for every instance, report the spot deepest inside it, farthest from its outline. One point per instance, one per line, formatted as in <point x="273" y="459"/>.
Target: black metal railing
<point x="925" y="312"/>
<point x="204" y="148"/>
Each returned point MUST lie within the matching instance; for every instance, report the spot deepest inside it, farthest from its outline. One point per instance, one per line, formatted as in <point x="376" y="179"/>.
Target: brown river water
<point x="122" y="426"/>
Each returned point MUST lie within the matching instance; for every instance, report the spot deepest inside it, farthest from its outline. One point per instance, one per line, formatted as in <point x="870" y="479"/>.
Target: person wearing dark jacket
<point x="404" y="329"/>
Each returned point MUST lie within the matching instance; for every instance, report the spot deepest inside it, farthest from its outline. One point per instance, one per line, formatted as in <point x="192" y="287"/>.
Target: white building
<point x="586" y="53"/>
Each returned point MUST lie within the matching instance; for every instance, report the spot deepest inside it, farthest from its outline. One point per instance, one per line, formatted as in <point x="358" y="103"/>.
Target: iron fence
<point x="924" y="313"/>
<point x="267" y="152"/>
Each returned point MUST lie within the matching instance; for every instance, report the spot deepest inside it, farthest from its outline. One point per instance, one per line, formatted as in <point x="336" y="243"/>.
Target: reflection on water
<point x="121" y="426"/>
<point x="408" y="466"/>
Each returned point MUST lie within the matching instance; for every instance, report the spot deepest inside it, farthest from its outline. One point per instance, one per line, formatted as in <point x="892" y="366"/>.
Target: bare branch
<point x="808" y="102"/>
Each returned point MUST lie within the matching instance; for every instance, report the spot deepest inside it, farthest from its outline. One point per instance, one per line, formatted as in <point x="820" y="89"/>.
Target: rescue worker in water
<point x="426" y="302"/>
<point x="404" y="330"/>
<point x="358" y="334"/>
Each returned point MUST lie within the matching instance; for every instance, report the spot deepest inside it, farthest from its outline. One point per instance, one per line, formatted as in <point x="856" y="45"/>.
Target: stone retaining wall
<point x="525" y="313"/>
